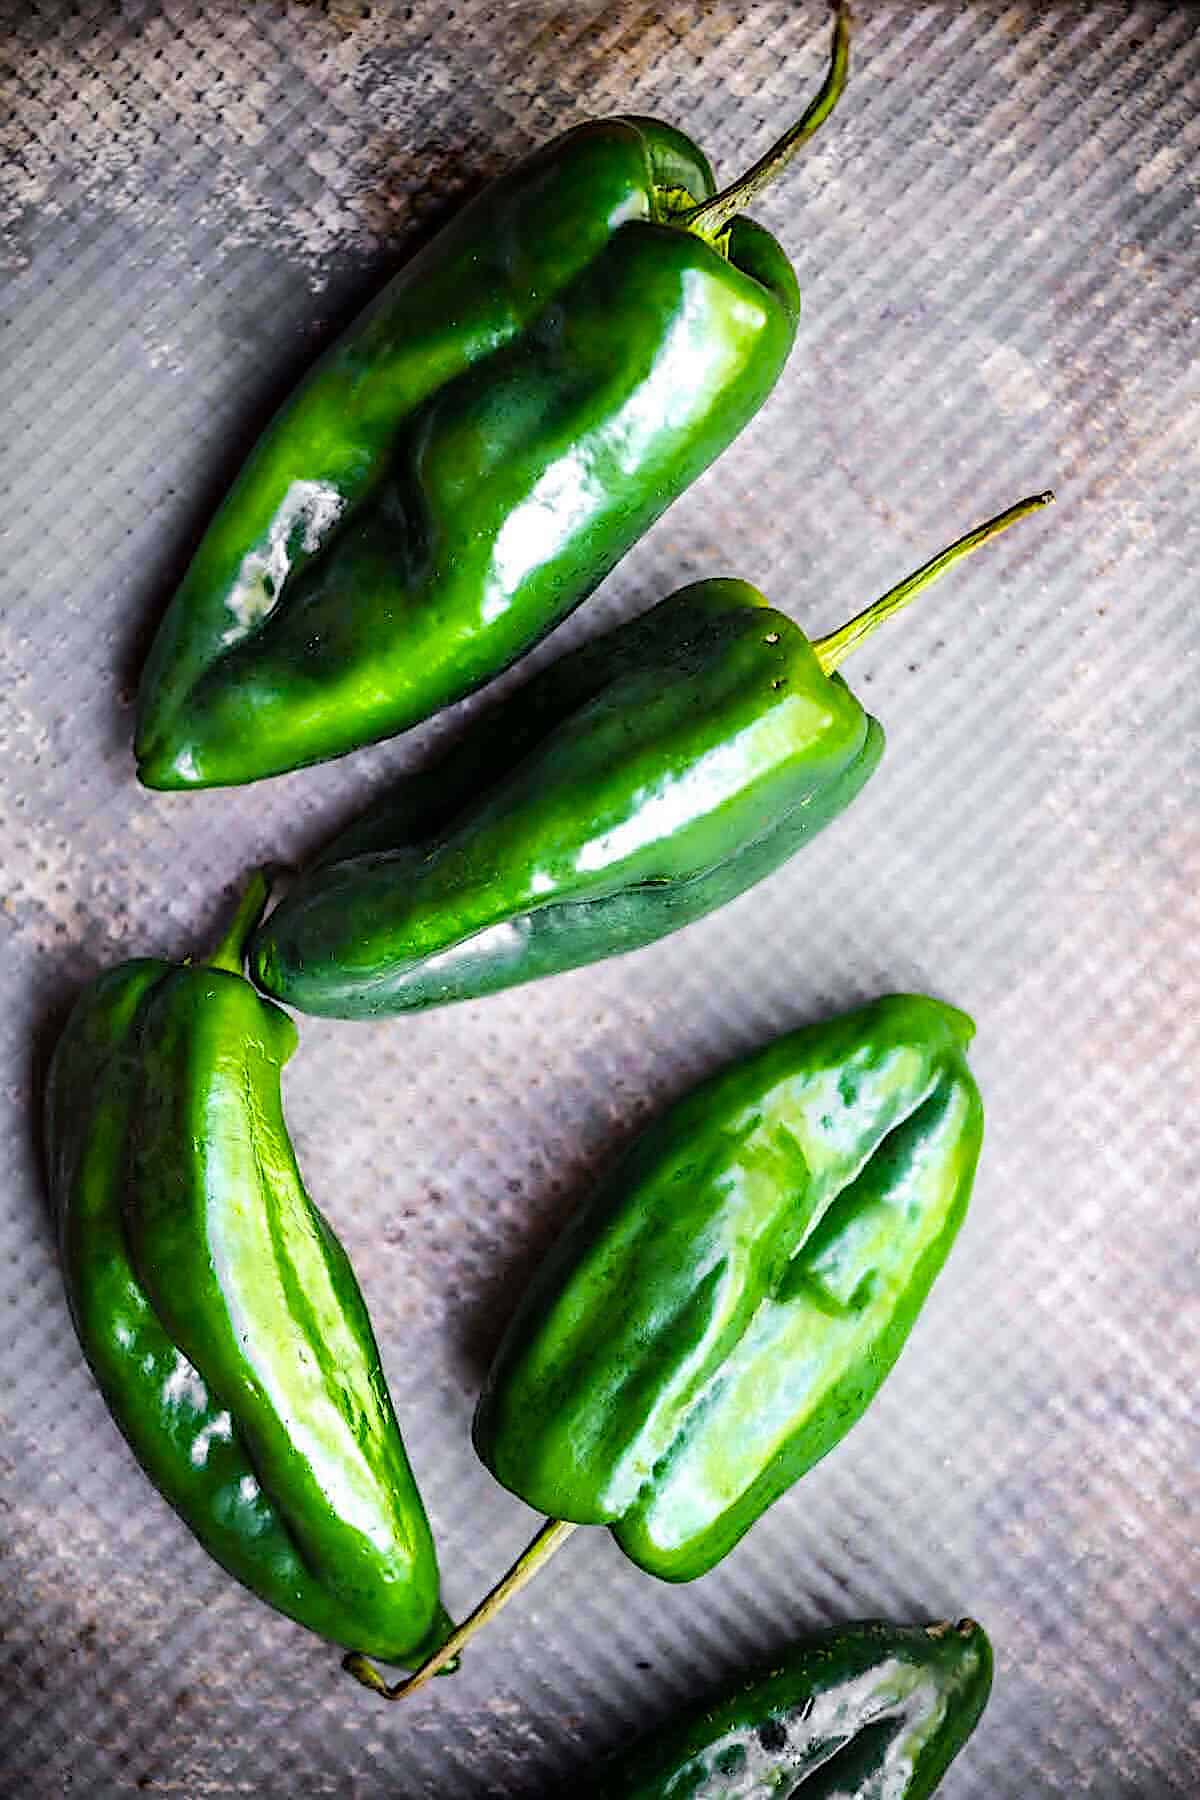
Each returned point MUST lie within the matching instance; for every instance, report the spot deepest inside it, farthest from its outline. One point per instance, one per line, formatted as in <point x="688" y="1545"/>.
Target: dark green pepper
<point x="217" y="1309"/>
<point x="726" y="1307"/>
<point x="862" y="1712"/>
<point x="632" y="787"/>
<point x="473" y="456"/>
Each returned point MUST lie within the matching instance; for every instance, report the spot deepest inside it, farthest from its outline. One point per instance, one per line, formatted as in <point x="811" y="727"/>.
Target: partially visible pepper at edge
<point x="868" y="1711"/>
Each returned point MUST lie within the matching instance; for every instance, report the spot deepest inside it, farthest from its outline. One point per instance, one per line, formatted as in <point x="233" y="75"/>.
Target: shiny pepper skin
<point x="727" y="1305"/>
<point x="645" y="779"/>
<point x="217" y="1309"/>
<point x="476" y="452"/>
<point x="627" y="790"/>
<point x="861" y="1712"/>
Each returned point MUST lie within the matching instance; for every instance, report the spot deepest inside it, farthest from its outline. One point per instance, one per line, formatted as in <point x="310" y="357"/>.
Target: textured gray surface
<point x="996" y="241"/>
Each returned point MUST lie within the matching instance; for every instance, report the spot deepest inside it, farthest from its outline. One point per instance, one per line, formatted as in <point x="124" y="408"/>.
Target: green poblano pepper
<point x="868" y="1711"/>
<point x="630" y="788"/>
<point x="476" y="452"/>
<point x="217" y="1309"/>
<point x="728" y="1304"/>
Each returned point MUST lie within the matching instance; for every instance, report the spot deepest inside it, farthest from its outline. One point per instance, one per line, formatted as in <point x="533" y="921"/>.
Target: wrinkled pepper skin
<point x="727" y="1306"/>
<point x="863" y="1712"/>
<point x="637" y="784"/>
<point x="218" y="1311"/>
<point x="469" y="460"/>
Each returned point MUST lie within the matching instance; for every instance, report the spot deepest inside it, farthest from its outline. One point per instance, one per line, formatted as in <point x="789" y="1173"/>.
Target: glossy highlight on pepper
<point x="728" y="1303"/>
<point x="629" y="789"/>
<point x="218" y="1310"/>
<point x="475" y="453"/>
<point x="869" y="1711"/>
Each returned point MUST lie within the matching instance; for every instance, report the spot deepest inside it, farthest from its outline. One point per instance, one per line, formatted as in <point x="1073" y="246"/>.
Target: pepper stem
<point x="711" y="216"/>
<point x="230" y="953"/>
<point x="553" y="1533"/>
<point x="837" y="646"/>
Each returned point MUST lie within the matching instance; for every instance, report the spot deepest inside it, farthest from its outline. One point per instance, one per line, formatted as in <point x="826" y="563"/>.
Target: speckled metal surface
<point x="996" y="241"/>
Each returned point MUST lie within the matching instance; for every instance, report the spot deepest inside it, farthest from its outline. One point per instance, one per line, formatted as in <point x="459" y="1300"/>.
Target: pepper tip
<point x="166" y="771"/>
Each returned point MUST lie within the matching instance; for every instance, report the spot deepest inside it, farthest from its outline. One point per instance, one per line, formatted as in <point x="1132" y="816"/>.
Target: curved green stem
<point x="230" y="953"/>
<point x="552" y="1535"/>
<point x="710" y="217"/>
<point x="837" y="645"/>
